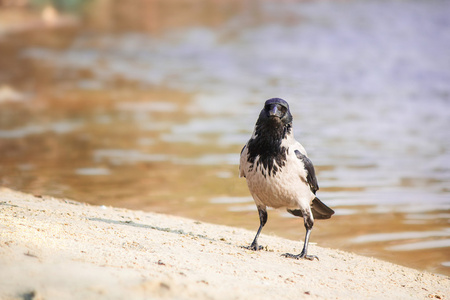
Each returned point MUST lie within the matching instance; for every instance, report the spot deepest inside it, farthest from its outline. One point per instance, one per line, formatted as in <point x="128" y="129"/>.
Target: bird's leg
<point x="262" y="221"/>
<point x="309" y="222"/>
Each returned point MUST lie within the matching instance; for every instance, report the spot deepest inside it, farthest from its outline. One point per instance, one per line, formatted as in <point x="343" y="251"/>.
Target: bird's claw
<point x="300" y="256"/>
<point x="254" y="247"/>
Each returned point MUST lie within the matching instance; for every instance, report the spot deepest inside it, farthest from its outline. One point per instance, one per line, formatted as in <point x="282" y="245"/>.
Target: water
<point x="156" y="121"/>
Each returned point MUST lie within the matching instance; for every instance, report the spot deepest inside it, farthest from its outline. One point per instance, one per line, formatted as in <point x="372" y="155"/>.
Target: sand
<point x="61" y="249"/>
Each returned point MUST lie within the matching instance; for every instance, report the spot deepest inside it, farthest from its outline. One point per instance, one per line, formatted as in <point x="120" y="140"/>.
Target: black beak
<point x="273" y="111"/>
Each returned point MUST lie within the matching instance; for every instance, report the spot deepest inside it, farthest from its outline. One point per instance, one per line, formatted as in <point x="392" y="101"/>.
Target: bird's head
<point x="276" y="111"/>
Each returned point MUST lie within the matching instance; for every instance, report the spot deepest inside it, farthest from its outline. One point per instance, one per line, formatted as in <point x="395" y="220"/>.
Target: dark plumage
<point x="279" y="172"/>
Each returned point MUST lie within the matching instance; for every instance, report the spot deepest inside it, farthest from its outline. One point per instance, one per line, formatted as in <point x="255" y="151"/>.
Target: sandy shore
<point x="61" y="249"/>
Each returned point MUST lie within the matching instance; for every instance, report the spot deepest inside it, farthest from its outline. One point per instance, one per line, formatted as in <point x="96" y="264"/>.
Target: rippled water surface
<point x="155" y="120"/>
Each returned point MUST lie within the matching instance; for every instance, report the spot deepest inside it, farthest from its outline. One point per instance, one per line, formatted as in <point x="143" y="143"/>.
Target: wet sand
<point x="61" y="249"/>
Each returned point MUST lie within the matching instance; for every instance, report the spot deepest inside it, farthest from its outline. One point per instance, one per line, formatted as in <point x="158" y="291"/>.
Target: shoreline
<point x="62" y="249"/>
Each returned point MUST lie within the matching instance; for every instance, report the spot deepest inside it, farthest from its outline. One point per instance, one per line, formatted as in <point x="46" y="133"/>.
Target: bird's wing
<point x="309" y="167"/>
<point x="243" y="161"/>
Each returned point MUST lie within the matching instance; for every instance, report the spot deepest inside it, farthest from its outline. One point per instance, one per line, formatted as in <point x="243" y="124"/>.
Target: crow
<point x="279" y="173"/>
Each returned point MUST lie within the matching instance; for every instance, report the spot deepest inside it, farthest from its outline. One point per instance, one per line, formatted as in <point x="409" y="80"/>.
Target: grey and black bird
<point x="279" y="172"/>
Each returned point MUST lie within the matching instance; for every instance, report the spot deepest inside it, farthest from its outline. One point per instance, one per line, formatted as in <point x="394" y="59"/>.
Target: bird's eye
<point x="282" y="109"/>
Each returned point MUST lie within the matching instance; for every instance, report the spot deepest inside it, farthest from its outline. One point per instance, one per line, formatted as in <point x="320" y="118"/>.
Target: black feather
<point x="269" y="133"/>
<point x="311" y="177"/>
<point x="318" y="208"/>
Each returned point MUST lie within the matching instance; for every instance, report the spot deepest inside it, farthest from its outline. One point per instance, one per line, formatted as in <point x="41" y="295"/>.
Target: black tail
<point x="319" y="209"/>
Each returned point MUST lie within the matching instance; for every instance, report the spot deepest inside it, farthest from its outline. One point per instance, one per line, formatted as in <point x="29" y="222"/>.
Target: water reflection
<point x="153" y="115"/>
<point x="92" y="171"/>
<point x="379" y="237"/>
<point x="119" y="156"/>
<point x="34" y="129"/>
<point x="421" y="245"/>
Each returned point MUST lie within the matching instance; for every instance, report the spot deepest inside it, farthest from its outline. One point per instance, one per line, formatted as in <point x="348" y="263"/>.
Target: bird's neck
<point x="272" y="132"/>
<point x="267" y="139"/>
<point x="265" y="147"/>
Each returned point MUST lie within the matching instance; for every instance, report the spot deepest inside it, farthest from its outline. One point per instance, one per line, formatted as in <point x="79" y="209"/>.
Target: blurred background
<point x="146" y="104"/>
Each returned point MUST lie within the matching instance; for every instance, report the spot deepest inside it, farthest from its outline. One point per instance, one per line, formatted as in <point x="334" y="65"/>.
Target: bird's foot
<point x="254" y="247"/>
<point x="300" y="256"/>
